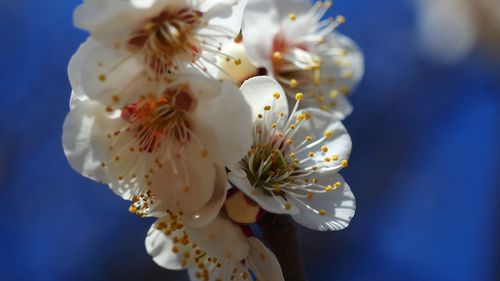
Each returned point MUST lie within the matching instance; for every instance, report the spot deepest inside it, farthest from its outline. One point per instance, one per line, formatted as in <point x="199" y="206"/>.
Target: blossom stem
<point x="280" y="234"/>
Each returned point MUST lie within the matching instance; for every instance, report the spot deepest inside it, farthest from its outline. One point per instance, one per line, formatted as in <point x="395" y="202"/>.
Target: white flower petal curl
<point x="212" y="208"/>
<point x="264" y="91"/>
<point x="84" y="140"/>
<point x="336" y="208"/>
<point x="225" y="124"/>
<point x="221" y="238"/>
<point x="265" y="265"/>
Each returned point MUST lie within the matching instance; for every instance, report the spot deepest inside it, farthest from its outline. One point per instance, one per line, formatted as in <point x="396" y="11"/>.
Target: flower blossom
<point x="219" y="250"/>
<point x="292" y="167"/>
<point x="158" y="37"/>
<point x="160" y="140"/>
<point x="466" y="23"/>
<point x="301" y="50"/>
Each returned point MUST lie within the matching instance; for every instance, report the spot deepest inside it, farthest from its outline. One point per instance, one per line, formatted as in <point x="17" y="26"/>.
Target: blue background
<point x="425" y="166"/>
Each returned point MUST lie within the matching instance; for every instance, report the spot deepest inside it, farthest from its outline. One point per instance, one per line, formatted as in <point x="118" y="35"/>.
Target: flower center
<point x="294" y="64"/>
<point x="168" y="37"/>
<point x="266" y="166"/>
<point x="157" y="121"/>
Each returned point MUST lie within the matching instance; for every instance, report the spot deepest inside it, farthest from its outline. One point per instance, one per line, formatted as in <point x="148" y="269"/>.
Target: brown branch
<point x="280" y="234"/>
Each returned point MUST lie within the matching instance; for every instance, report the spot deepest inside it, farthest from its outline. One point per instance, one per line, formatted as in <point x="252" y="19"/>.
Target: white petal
<point x="344" y="61"/>
<point x="75" y="67"/>
<point x="189" y="187"/>
<point x="260" y="26"/>
<point x="339" y="145"/>
<point x="159" y="246"/>
<point x="265" y="201"/>
<point x="107" y="72"/>
<point x="222" y="239"/>
<point x="212" y="208"/>
<point x="339" y="205"/>
<point x="84" y="139"/>
<point x="259" y="92"/>
<point x="224" y="125"/>
<point x="76" y="99"/>
<point x="263" y="262"/>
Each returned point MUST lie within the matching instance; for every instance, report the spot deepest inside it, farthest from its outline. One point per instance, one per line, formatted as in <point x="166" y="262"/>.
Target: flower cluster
<point x="209" y="114"/>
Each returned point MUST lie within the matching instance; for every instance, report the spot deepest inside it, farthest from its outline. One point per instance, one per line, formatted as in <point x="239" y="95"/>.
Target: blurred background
<point x="425" y="167"/>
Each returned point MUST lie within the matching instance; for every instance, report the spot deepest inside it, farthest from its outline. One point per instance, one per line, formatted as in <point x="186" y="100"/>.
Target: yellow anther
<point x="282" y="114"/>
<point x="328" y="134"/>
<point x="310" y="195"/>
<point x="328" y="4"/>
<point x="334" y="94"/>
<point x="340" y="19"/>
<point x="335" y="157"/>
<point x="277" y="188"/>
<point x="328" y="159"/>
<point x="293" y="83"/>
<point x="289" y="141"/>
<point x="292" y="127"/>
<point x="287" y="206"/>
<point x="102" y="77"/>
<point x="132" y="209"/>
<point x="314" y="168"/>
<point x="301" y="117"/>
<point x="324" y="148"/>
<point x="337" y="185"/>
<point x="161" y="225"/>
<point x="237" y="61"/>
<point x="267" y="107"/>
<point x="274" y="125"/>
<point x="344" y="163"/>
<point x="299" y="96"/>
<point x="277" y="55"/>
<point x="309" y="138"/>
<point x="292" y="155"/>
<point x="307" y="115"/>
<point x="276" y="95"/>
<point x="315" y="181"/>
<point x="259" y="116"/>
<point x="292" y="16"/>
<point x="322" y="212"/>
<point x="328" y="188"/>
<point x="311" y="154"/>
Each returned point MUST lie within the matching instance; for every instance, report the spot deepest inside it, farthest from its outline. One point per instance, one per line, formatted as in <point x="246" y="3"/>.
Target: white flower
<point x="216" y="252"/>
<point x="292" y="42"/>
<point x="159" y="37"/>
<point x="293" y="163"/>
<point x="160" y="139"/>
<point x="450" y="29"/>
